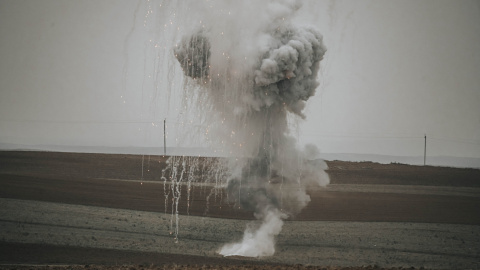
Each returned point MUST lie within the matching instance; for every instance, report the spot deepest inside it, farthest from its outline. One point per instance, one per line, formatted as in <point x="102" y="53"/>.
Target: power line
<point x="310" y="134"/>
<point x="79" y="121"/>
<point x="359" y="136"/>
<point x="456" y="140"/>
<point x="362" y="136"/>
<point x="100" y="122"/>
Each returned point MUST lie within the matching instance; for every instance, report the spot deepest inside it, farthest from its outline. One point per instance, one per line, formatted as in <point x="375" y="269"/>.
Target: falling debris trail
<point x="247" y="78"/>
<point x="185" y="172"/>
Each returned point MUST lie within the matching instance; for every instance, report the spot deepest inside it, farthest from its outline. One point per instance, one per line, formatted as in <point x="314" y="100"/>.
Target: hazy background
<point x="99" y="73"/>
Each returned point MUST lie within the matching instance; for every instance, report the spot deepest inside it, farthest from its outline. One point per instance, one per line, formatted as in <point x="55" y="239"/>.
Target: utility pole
<point x="164" y="137"/>
<point x="425" y="151"/>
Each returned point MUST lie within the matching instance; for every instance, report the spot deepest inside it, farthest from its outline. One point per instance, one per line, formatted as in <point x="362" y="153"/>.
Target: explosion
<point x="249" y="83"/>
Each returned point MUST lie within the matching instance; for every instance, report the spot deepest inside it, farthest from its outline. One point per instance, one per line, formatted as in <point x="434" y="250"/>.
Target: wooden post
<point x="425" y="151"/>
<point x="164" y="137"/>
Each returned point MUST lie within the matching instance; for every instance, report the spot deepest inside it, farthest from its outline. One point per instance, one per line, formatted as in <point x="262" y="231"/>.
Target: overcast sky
<point x="95" y="73"/>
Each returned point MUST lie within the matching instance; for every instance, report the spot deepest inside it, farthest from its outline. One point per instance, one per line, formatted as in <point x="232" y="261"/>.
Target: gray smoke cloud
<point x="193" y="55"/>
<point x="286" y="74"/>
<point x="289" y="72"/>
<point x="248" y="84"/>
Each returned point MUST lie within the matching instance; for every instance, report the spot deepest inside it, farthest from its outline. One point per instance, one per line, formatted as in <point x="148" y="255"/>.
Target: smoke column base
<point x="258" y="241"/>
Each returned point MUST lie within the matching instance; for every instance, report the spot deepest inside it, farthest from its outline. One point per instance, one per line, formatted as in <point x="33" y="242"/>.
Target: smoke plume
<point x="248" y="77"/>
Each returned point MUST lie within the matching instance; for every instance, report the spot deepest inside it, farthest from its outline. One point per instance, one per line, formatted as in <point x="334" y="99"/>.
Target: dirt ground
<point x="440" y="204"/>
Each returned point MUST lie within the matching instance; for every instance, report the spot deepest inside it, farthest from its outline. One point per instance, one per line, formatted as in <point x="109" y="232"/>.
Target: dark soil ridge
<point x="79" y="178"/>
<point x="149" y="167"/>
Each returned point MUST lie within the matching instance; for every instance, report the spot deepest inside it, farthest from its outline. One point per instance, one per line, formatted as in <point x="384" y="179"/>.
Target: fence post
<point x="164" y="137"/>
<point x="425" y="151"/>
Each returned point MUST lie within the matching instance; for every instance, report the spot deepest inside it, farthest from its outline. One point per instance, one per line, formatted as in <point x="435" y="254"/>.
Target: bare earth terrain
<point x="78" y="211"/>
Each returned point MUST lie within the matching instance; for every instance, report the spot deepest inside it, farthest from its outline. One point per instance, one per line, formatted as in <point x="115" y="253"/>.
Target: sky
<point x="100" y="73"/>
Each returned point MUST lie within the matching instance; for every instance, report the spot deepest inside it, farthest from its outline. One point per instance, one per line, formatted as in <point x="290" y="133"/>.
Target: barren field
<point x="100" y="210"/>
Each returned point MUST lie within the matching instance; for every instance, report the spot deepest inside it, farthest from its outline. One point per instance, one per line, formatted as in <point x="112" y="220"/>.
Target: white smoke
<point x="258" y="239"/>
<point x="249" y="67"/>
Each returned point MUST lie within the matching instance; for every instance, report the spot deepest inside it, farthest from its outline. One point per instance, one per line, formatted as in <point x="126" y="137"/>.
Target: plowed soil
<point x="359" y="191"/>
